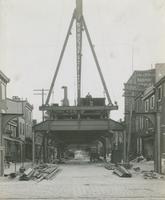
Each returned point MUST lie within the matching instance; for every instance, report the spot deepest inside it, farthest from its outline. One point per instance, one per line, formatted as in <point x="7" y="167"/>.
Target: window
<point x="30" y="117"/>
<point x="146" y="123"/>
<point x="3" y="91"/>
<point x="137" y="105"/>
<point x="137" y="123"/>
<point x="152" y="101"/>
<point x="14" y="131"/>
<point x="26" y="129"/>
<point x="147" y="105"/>
<point x="160" y="92"/>
<point x="141" y="122"/>
<point x="20" y="129"/>
<point x="23" y="129"/>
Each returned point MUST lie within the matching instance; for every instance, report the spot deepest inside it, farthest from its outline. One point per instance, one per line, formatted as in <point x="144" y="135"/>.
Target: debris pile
<point x="136" y="169"/>
<point x="119" y="170"/>
<point x="152" y="175"/>
<point x="126" y="165"/>
<point x="40" y="173"/>
<point x="110" y="166"/>
<point x="122" y="171"/>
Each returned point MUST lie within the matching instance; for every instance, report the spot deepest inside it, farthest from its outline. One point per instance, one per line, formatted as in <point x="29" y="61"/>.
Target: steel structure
<point x="85" y="122"/>
<point x="80" y="26"/>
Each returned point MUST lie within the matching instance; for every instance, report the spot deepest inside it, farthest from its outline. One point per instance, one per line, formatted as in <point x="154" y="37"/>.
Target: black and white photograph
<point x="82" y="99"/>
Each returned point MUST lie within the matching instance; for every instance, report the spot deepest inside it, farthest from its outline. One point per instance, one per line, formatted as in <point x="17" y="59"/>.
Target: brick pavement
<point x="85" y="181"/>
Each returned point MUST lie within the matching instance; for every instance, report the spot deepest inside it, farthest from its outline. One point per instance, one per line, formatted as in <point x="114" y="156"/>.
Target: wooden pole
<point x="1" y="148"/>
<point x="33" y="148"/>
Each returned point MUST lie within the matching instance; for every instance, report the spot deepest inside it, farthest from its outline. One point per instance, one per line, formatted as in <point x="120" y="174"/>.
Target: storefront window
<point x="159" y="93"/>
<point x="152" y="102"/>
<point x="147" y="105"/>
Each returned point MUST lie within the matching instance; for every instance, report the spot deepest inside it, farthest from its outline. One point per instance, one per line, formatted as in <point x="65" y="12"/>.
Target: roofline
<point x="160" y="81"/>
<point x="21" y="101"/>
<point x="136" y="71"/>
<point x="6" y="79"/>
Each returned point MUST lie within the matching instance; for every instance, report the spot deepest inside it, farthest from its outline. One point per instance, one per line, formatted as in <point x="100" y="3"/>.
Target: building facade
<point x="20" y="138"/>
<point x="149" y="121"/>
<point x="140" y="97"/>
<point x="3" y="84"/>
<point x="145" y="108"/>
<point x="160" y="124"/>
<point x="132" y="88"/>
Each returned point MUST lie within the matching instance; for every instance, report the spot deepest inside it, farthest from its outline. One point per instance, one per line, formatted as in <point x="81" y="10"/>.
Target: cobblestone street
<point x="82" y="180"/>
<point x="82" y="100"/>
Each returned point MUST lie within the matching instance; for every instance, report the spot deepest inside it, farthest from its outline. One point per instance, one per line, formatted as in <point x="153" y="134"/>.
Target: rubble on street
<point x="110" y="166"/>
<point x="122" y="171"/>
<point x="118" y="169"/>
<point x="152" y="175"/>
<point x="37" y="173"/>
<point x="137" y="167"/>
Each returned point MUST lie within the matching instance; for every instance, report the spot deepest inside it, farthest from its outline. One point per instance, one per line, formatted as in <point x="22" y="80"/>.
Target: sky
<point x="127" y="35"/>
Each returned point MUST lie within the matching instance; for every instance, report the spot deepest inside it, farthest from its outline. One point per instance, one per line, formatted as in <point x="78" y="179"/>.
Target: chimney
<point x="65" y="101"/>
<point x="16" y="98"/>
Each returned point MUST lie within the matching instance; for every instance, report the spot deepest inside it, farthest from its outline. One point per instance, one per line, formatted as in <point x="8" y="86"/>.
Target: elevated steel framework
<point x="86" y="122"/>
<point x="80" y="26"/>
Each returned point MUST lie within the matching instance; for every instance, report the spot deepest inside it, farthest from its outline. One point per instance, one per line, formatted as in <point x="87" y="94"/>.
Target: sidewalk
<point x="14" y="167"/>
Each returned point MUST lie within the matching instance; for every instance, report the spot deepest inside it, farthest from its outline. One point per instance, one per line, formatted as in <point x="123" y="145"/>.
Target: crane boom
<point x="80" y="24"/>
<point x="78" y="46"/>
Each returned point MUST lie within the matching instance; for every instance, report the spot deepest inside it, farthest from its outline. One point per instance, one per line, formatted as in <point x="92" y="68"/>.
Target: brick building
<point x="22" y="140"/>
<point x="3" y="84"/>
<point x="132" y="88"/>
<point x="148" y="120"/>
<point x="145" y="108"/>
<point x="160" y="124"/>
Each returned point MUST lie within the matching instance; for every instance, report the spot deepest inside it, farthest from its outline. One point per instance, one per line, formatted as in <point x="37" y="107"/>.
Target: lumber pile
<point x="118" y="169"/>
<point x="122" y="171"/>
<point x="40" y="173"/>
<point x="110" y="166"/>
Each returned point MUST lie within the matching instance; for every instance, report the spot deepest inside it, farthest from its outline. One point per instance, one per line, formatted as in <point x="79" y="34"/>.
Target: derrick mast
<point x="80" y="26"/>
<point x="78" y="15"/>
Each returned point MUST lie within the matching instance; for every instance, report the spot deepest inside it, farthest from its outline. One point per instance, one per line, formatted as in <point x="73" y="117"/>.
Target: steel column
<point x="79" y="46"/>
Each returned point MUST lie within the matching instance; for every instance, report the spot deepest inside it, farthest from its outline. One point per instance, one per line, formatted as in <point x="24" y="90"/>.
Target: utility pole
<point x="157" y="144"/>
<point x="129" y="130"/>
<point x="1" y="148"/>
<point x="42" y="93"/>
<point x="132" y="59"/>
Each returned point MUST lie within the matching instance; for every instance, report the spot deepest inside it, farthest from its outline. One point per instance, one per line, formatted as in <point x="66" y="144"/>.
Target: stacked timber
<point x="122" y="171"/>
<point x="40" y="172"/>
<point x="118" y="169"/>
<point x="110" y="166"/>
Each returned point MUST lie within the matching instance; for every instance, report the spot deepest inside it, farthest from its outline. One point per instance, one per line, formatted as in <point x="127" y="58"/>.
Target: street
<point x="82" y="100"/>
<point x="80" y="179"/>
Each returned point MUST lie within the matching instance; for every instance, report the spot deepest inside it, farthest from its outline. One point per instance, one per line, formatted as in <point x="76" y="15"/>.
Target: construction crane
<point x="80" y="26"/>
<point x="88" y="120"/>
